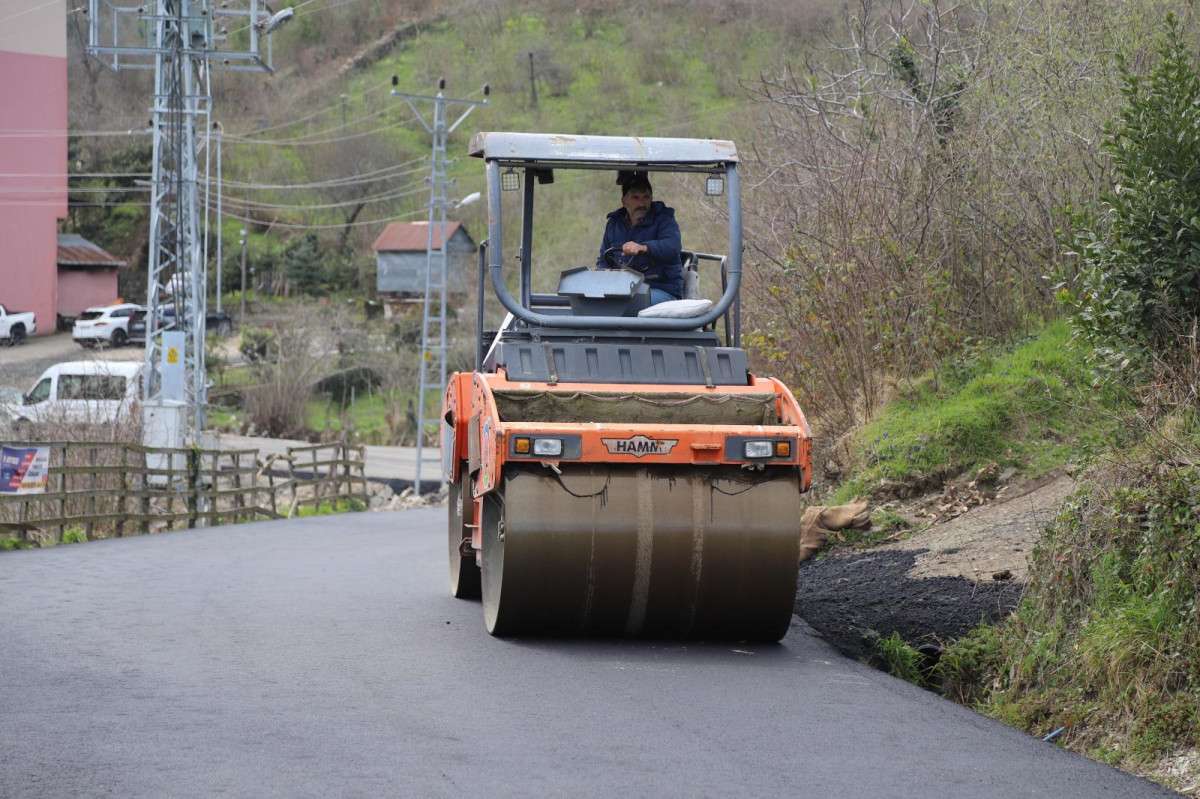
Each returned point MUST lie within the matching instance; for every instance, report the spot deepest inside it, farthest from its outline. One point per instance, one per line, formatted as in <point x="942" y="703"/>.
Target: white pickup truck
<point x="16" y="325"/>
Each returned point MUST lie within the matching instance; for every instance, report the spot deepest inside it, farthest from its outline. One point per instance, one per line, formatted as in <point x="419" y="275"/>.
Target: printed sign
<point x="24" y="470"/>
<point x="637" y="446"/>
<point x="172" y="367"/>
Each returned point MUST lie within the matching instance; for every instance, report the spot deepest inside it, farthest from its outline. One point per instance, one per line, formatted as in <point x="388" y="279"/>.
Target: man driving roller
<point x="645" y="232"/>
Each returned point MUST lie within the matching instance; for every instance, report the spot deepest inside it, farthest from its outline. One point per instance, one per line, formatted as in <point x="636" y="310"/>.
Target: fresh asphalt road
<point x="323" y="657"/>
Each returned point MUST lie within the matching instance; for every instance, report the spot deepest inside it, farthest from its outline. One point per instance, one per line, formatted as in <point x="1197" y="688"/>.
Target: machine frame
<point x="554" y="355"/>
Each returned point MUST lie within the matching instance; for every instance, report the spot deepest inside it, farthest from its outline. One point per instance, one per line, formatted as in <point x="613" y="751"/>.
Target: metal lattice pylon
<point x="433" y="309"/>
<point x="179" y="40"/>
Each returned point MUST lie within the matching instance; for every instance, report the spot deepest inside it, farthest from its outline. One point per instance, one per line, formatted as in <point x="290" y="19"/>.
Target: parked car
<point x="83" y="392"/>
<point x="104" y="325"/>
<point x="216" y="322"/>
<point x="15" y="326"/>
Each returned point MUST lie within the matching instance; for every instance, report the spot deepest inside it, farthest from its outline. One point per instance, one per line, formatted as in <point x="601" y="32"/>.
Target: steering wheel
<point x="614" y="258"/>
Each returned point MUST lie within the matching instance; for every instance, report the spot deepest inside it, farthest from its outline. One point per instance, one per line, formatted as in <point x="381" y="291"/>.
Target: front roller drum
<point x="661" y="552"/>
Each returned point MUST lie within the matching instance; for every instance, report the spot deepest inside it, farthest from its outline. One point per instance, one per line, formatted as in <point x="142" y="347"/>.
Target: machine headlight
<point x="759" y="449"/>
<point x="548" y="446"/>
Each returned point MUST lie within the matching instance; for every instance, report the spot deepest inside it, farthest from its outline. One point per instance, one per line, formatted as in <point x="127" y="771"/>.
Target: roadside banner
<point x="24" y="470"/>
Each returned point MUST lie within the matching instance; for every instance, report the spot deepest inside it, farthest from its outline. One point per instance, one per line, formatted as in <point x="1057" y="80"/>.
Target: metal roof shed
<point x="400" y="258"/>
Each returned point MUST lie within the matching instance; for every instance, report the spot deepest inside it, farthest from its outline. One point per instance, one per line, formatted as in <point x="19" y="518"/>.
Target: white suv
<point x="104" y="325"/>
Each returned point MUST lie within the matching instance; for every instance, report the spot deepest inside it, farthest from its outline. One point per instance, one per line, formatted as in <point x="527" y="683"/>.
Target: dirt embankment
<point x="935" y="585"/>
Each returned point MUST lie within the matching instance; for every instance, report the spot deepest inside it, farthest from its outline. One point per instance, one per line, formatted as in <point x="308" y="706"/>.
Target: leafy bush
<point x="1140" y="279"/>
<point x="74" y="535"/>
<point x="257" y="344"/>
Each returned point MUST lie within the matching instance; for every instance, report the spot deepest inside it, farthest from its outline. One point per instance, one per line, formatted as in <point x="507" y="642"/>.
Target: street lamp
<point x="470" y="198"/>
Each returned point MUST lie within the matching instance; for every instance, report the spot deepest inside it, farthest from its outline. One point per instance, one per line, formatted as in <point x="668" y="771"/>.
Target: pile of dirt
<point x="935" y="585"/>
<point x="854" y="600"/>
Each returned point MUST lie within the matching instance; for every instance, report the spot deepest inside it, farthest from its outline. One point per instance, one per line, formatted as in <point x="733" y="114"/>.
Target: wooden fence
<point x="102" y="489"/>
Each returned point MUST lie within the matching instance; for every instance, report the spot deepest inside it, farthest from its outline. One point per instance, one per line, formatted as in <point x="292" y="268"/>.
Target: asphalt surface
<point x="323" y="657"/>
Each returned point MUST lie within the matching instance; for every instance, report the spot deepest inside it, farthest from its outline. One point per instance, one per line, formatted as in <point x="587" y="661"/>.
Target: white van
<point x="83" y="392"/>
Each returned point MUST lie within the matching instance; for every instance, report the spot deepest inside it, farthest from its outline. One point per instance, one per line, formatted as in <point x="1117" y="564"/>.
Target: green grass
<point x="328" y="508"/>
<point x="1031" y="407"/>
<point x="222" y="419"/>
<point x="74" y="535"/>
<point x="1106" y="640"/>
<point x="901" y="659"/>
<point x="367" y="415"/>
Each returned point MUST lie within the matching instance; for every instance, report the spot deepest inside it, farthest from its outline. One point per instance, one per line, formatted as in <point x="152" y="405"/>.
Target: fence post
<point x="89" y="526"/>
<point x="62" y="491"/>
<point x="144" y="494"/>
<point x="193" y="492"/>
<point x="123" y="495"/>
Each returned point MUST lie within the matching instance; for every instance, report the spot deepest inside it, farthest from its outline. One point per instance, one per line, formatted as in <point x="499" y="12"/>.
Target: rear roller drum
<point x="659" y="552"/>
<point x="464" y="572"/>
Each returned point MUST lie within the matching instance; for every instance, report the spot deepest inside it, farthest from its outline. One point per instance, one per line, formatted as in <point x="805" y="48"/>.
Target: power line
<point x="304" y="141"/>
<point x="394" y="195"/>
<point x="341" y="126"/>
<point x="307" y="117"/>
<point x="363" y="223"/>
<point x="294" y="8"/>
<point x="31" y="10"/>
<point x="18" y="133"/>
<point x="361" y="177"/>
<point x="72" y="175"/>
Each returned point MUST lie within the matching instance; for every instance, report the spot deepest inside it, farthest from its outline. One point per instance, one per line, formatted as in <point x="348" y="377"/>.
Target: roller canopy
<point x="603" y="152"/>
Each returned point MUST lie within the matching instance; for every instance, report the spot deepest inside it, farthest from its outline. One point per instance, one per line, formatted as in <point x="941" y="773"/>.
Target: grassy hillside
<point x="628" y="71"/>
<point x="1032" y="407"/>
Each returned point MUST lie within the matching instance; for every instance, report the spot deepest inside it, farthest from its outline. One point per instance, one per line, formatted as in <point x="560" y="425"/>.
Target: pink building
<point x="33" y="154"/>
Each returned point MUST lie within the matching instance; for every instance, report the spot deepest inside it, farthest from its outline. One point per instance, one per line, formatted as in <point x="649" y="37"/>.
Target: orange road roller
<point x="614" y="467"/>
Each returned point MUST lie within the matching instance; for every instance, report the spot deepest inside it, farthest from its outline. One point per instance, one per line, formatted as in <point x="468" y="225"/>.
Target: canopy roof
<point x="75" y="250"/>
<point x="603" y="152"/>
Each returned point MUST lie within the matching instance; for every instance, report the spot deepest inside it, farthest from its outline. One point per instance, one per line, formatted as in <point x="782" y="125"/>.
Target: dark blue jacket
<point x="663" y="264"/>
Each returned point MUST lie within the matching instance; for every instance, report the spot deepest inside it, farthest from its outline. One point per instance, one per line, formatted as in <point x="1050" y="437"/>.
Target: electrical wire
<point x="339" y="226"/>
<point x="31" y="10"/>
<point x="252" y="204"/>
<point x="288" y="123"/>
<point x="305" y="142"/>
<point x="342" y="126"/>
<point x="72" y="175"/>
<point x="249" y="25"/>
<point x="350" y="180"/>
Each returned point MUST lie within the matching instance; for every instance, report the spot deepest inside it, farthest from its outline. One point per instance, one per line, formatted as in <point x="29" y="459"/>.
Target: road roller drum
<point x="661" y="552"/>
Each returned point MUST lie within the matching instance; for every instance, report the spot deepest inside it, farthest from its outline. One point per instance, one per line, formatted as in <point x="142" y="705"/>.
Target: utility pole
<point x="532" y="82"/>
<point x="218" y="130"/>
<point x="242" y="312"/>
<point x="436" y="272"/>
<point x="181" y="40"/>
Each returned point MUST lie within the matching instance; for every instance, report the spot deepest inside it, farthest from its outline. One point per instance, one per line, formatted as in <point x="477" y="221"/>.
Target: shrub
<point x="1139" y="282"/>
<point x="257" y="344"/>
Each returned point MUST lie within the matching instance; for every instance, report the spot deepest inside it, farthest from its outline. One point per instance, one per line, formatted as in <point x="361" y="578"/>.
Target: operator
<point x="646" y="232"/>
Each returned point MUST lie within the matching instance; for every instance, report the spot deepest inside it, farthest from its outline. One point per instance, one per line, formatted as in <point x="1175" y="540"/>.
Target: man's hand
<point x="633" y="248"/>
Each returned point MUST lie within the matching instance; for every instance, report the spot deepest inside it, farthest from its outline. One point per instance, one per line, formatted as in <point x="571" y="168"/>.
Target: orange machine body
<point x="477" y="439"/>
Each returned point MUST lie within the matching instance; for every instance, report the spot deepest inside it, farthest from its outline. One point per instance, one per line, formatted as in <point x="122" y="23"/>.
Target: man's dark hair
<point x="634" y="181"/>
